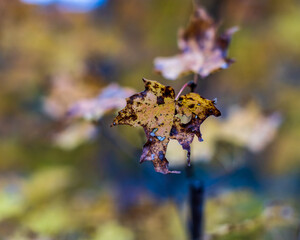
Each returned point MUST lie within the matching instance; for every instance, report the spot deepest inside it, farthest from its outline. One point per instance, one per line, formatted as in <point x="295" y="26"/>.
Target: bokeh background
<point x="69" y="179"/>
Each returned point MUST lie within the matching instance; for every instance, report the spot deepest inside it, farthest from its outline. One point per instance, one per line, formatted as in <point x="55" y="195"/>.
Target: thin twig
<point x="190" y="84"/>
<point x="182" y="88"/>
<point x="196" y="223"/>
<point x="196" y="188"/>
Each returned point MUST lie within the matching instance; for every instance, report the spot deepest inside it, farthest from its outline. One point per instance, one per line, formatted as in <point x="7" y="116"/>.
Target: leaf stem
<point x="191" y="84"/>
<point x="182" y="88"/>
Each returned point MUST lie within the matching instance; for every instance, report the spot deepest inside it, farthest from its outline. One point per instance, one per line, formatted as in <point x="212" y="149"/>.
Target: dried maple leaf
<point x="156" y="110"/>
<point x="202" y="51"/>
<point x="197" y="109"/>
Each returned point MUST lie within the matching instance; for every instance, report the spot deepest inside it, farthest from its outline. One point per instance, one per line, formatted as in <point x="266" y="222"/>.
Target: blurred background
<point x="70" y="179"/>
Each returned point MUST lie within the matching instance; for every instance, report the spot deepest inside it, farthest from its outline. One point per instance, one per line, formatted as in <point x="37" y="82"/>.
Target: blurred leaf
<point x="63" y="93"/>
<point x="202" y="51"/>
<point x="111" y="97"/>
<point x="249" y="126"/>
<point x="74" y="135"/>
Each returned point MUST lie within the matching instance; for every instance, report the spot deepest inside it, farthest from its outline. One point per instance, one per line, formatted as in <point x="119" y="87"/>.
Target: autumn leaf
<point x="69" y="101"/>
<point x="202" y="51"/>
<point x="64" y="91"/>
<point x="110" y="98"/>
<point x="164" y="118"/>
<point x="197" y="109"/>
<point x="154" y="110"/>
<point x="246" y="126"/>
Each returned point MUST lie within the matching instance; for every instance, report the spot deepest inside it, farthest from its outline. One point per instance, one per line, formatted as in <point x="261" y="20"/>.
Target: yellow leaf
<point x="156" y="110"/>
